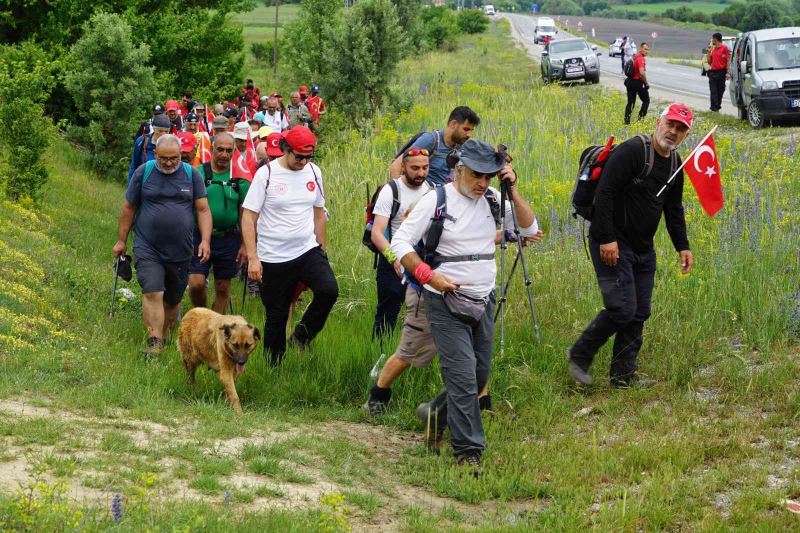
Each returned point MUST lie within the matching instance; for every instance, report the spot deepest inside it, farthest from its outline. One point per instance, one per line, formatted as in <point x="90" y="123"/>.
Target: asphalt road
<point x="668" y="82"/>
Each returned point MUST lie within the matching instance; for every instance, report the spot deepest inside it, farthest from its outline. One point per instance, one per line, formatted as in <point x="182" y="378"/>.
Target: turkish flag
<point x="239" y="168"/>
<point x="250" y="153"/>
<point x="203" y="151"/>
<point x="703" y="170"/>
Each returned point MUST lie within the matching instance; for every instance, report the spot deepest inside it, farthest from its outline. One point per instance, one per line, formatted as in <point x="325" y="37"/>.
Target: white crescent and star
<point x="242" y="167"/>
<point x="710" y="170"/>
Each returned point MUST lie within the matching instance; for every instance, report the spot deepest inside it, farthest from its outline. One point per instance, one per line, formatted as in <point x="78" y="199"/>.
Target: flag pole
<point x="688" y="157"/>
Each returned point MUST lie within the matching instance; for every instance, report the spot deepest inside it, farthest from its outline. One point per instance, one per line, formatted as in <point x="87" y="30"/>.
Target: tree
<point x="439" y="26"/>
<point x="25" y="83"/>
<point x="364" y="58"/>
<point x="112" y="85"/>
<point x="561" y="7"/>
<point x="472" y="21"/>
<point x="408" y="15"/>
<point x="763" y="14"/>
<point x="307" y="42"/>
<point x="263" y="51"/>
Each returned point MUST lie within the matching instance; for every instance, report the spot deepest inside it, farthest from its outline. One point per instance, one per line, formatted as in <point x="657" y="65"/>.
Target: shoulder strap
<point x="494" y="205"/>
<point x="649" y="155"/>
<point x="269" y="175"/>
<point x="316" y="180"/>
<point x="148" y="169"/>
<point x="395" y="199"/>
<point x="436" y="136"/>
<point x="208" y="172"/>
<point x="437" y="225"/>
<point x="188" y="169"/>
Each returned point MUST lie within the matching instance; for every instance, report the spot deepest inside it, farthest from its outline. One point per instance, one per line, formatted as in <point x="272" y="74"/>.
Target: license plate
<point x="795" y="102"/>
<point x="574" y="70"/>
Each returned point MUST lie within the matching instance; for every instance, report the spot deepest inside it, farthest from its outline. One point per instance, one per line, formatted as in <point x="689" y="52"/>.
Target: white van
<point x="488" y="9"/>
<point x="545" y="27"/>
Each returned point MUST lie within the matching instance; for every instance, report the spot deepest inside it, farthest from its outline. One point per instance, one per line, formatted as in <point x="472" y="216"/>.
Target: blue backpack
<point x="150" y="165"/>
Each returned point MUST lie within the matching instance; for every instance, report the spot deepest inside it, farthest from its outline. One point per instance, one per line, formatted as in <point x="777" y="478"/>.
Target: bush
<point x="684" y="14"/>
<point x="472" y="21"/>
<point x="25" y="83"/>
<point x="561" y="7"/>
<point x="439" y="26"/>
<point x="112" y="86"/>
<point x="264" y="51"/>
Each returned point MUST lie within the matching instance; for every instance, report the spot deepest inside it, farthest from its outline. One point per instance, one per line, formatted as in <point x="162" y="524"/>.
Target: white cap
<point x="240" y="130"/>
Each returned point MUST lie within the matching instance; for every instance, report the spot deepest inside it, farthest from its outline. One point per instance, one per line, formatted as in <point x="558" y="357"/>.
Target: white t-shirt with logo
<point x="285" y="228"/>
<point x="407" y="196"/>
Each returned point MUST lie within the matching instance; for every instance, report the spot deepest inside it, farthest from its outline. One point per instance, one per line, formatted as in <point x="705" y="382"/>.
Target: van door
<point x="747" y="83"/>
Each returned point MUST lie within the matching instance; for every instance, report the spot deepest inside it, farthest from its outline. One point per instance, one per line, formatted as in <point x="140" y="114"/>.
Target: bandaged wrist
<point x="389" y="255"/>
<point x="423" y="273"/>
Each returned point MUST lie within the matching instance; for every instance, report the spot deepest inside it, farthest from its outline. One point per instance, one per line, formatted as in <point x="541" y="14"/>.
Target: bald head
<point x="224" y="138"/>
<point x="168" y="142"/>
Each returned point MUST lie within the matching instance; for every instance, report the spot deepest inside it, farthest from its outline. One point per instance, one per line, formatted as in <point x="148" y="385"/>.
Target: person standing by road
<point x="628" y="51"/>
<point x="638" y="85"/>
<point x="627" y="212"/>
<point x="718" y="57"/>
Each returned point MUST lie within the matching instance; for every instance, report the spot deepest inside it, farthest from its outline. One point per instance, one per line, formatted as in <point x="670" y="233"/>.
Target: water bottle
<point x="376" y="368"/>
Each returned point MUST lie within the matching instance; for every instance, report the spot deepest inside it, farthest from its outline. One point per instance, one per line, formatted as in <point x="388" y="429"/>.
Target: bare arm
<point x="440" y="282"/>
<point x="380" y="241"/>
<point x="643" y="76"/>
<point x="320" y="227"/>
<point x="249" y="219"/>
<point x="204" y="223"/>
<point x="126" y="216"/>
<point x="396" y="168"/>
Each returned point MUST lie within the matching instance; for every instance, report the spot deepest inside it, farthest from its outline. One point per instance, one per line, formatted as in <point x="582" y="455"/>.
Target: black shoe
<point x="296" y="343"/>
<point x="375" y="408"/>
<point x="578" y="375"/>
<point x="434" y="428"/>
<point x="155" y="346"/>
<point x="471" y="460"/>
<point x="633" y="382"/>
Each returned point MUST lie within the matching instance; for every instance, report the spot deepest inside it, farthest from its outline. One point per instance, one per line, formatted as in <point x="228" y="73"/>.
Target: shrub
<point x="439" y="26"/>
<point x="111" y="84"/>
<point x="25" y="134"/>
<point x="264" y="51"/>
<point x="472" y="21"/>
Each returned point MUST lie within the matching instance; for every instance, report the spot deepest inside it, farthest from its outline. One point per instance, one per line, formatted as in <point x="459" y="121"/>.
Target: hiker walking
<point x="627" y="212"/>
<point x="144" y="147"/>
<point x="160" y="204"/>
<point x="718" y="57"/>
<point x="460" y="125"/>
<point x="315" y="104"/>
<point x="287" y="202"/>
<point x="297" y="112"/>
<point x="637" y="85"/>
<point x="274" y="117"/>
<point x="459" y="280"/>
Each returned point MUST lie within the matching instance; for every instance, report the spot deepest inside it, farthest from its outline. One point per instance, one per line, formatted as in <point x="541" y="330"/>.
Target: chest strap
<point x="464" y="258"/>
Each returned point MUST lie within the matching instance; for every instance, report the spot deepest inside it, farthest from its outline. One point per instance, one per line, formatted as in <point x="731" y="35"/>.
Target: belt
<point x="223" y="233"/>
<point x="464" y="258"/>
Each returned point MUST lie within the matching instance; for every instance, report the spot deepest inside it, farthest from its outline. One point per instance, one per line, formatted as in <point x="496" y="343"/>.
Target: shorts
<point x="223" y="256"/>
<point x="169" y="278"/>
<point x="416" y="341"/>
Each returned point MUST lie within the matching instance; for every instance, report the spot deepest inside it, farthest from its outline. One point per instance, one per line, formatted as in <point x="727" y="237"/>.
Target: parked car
<point x="765" y="75"/>
<point x="570" y="60"/>
<point x="488" y="9"/>
<point x="615" y="48"/>
<point x="545" y="29"/>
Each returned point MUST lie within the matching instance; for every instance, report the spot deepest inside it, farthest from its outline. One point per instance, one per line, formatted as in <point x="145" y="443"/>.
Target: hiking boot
<point x="155" y="346"/>
<point x="433" y="433"/>
<point x="471" y="460"/>
<point x="375" y="408"/>
<point x="634" y="382"/>
<point x="295" y="343"/>
<point x="578" y="375"/>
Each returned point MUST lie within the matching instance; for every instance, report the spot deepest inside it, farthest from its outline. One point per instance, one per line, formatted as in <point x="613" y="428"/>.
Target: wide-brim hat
<point x="481" y="157"/>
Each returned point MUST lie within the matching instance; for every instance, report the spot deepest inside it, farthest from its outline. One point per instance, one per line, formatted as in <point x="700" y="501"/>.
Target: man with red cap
<point x="303" y="93"/>
<point x="174" y="114"/>
<point x="628" y="206"/>
<point x="284" y="232"/>
<point x="188" y="146"/>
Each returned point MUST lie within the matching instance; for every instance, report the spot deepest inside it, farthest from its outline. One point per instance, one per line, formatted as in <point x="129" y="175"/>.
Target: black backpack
<point x="366" y="238"/>
<point x="590" y="168"/>
<point x="627" y="68"/>
<point x="437" y="135"/>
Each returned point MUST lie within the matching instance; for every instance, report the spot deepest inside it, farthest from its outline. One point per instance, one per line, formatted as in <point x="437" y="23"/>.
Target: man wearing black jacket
<point x="627" y="212"/>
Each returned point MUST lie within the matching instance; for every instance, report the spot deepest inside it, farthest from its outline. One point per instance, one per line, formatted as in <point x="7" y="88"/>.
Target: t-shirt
<point x="316" y="105"/>
<point x="626" y="208"/>
<point x="720" y="56"/>
<point x="469" y="229"/>
<point x="438" y="172"/>
<point x="407" y="196"/>
<point x="223" y="200"/>
<point x="639" y="64"/>
<point x="277" y="121"/>
<point x="285" y="210"/>
<point x="164" y="213"/>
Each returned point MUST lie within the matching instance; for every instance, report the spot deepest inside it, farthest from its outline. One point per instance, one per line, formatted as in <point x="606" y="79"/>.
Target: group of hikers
<point x="434" y="229"/>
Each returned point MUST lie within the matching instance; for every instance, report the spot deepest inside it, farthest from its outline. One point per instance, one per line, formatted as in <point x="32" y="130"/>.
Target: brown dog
<point x="221" y="342"/>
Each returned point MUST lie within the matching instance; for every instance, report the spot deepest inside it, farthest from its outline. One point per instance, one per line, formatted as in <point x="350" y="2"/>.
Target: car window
<point x="560" y="47"/>
<point x="546" y="28"/>
<point x="778" y="54"/>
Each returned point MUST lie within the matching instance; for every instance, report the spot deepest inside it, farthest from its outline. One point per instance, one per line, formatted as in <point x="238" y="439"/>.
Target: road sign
<point x="593" y="34"/>
<point x="654" y="35"/>
<point x="534" y="8"/>
<point x="580" y="24"/>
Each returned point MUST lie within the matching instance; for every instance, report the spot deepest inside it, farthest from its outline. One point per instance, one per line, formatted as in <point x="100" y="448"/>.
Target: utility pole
<point x="275" y="42"/>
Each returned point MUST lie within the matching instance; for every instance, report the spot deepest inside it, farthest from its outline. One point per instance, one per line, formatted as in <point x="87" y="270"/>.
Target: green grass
<point x="695" y="452"/>
<point x="657" y="9"/>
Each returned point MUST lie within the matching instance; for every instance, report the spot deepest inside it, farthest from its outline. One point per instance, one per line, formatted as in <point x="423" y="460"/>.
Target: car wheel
<point x="755" y="116"/>
<point x="593" y="79"/>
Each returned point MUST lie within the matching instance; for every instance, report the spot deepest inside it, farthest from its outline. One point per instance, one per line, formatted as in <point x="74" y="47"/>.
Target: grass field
<point x="657" y="9"/>
<point x="712" y="447"/>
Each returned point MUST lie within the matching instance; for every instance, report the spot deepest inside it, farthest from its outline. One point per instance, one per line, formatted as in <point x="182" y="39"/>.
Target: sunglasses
<point x="302" y="157"/>
<point x="417" y="151"/>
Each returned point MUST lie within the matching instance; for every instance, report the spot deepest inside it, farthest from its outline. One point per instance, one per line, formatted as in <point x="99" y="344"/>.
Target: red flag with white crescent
<point x="703" y="170"/>
<point x="250" y="153"/>
<point x="204" y="154"/>
<point x="239" y="168"/>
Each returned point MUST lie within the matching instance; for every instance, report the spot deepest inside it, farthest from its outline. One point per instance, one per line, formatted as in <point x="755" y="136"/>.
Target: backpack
<point x="208" y="172"/>
<point x="591" y="165"/>
<point x="150" y="165"/>
<point x="627" y="68"/>
<point x="366" y="238"/>
<point x="436" y="137"/>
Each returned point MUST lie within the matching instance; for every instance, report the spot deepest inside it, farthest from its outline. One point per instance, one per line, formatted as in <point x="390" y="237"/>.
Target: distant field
<point x="657" y="9"/>
<point x="259" y="24"/>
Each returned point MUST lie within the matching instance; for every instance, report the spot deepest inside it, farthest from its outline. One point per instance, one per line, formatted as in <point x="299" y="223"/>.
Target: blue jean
<point x="627" y="290"/>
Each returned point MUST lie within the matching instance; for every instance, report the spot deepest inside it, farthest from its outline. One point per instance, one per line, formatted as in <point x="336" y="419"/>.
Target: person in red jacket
<point x="316" y="104"/>
<point x="250" y="95"/>
<point x="638" y="85"/>
<point x="718" y="57"/>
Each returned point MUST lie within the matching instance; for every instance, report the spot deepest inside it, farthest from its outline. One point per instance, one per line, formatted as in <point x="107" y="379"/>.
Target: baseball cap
<point x="274" y="144"/>
<point x="188" y="141"/>
<point x="231" y="112"/>
<point x="220" y="122"/>
<point x="303" y="89"/>
<point x="301" y="139"/>
<point x="240" y="130"/>
<point x="172" y="105"/>
<point x="679" y="113"/>
<point x="315" y="89"/>
<point x="259" y="117"/>
<point x="481" y="157"/>
<point x="158" y="109"/>
<point x="161" y="122"/>
<point x="191" y="117"/>
<point x="264" y="132"/>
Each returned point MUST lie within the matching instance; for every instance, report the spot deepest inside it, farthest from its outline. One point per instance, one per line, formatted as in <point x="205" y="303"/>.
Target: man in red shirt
<point x="718" y="57"/>
<point x="638" y="84"/>
<point x="315" y="104"/>
<point x="250" y="95"/>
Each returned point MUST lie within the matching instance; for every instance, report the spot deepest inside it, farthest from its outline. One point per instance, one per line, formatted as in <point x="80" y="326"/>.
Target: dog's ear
<point x="226" y="328"/>
<point x="256" y="333"/>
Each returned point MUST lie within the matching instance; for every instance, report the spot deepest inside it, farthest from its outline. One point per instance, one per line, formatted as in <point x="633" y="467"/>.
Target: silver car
<point x="570" y="60"/>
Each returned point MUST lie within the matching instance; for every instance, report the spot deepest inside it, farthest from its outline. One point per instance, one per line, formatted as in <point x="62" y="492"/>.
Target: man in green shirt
<point x="225" y="197"/>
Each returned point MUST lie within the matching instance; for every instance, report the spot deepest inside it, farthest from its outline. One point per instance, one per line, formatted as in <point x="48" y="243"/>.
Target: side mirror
<point x="545" y="53"/>
<point x="599" y="54"/>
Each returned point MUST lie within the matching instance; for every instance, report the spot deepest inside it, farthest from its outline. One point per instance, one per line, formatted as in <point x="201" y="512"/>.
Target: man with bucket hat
<point x="457" y="269"/>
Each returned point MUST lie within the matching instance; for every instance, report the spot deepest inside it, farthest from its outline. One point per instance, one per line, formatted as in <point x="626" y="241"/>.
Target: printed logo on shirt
<point x="311" y="186"/>
<point x="282" y="188"/>
<point x="184" y="190"/>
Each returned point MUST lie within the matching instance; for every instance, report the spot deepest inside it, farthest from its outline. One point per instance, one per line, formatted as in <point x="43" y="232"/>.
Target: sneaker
<point x="375" y="408"/>
<point x="471" y="460"/>
<point x="634" y="382"/>
<point x="433" y="433"/>
<point x="155" y="346"/>
<point x="578" y="375"/>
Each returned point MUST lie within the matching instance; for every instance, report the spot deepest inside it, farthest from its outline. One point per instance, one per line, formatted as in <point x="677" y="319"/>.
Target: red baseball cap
<point x="172" y="105"/>
<point x="188" y="141"/>
<point x="301" y="139"/>
<point x="303" y="89"/>
<point x="274" y="144"/>
<point x="679" y="113"/>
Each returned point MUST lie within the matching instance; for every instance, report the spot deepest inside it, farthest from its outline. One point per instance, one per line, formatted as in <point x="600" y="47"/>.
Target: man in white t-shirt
<point x="459" y="284"/>
<point x="285" y="210"/>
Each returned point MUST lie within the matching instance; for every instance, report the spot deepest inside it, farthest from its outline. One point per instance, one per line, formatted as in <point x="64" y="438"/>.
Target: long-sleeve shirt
<point x="141" y="155"/>
<point x="626" y="208"/>
<point x="469" y="229"/>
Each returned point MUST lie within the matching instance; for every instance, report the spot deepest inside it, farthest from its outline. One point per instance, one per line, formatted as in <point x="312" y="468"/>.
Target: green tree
<point x="439" y="26"/>
<point x="25" y="83"/>
<point x="308" y="40"/>
<point x="112" y="85"/>
<point x="364" y="58"/>
<point x="408" y="15"/>
<point x="763" y="14"/>
<point x="561" y="7"/>
<point x="472" y="21"/>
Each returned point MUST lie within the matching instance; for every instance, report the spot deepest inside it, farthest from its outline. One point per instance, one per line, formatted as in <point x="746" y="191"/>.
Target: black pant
<point x="716" y="86"/>
<point x="636" y="87"/>
<point x="391" y="295"/>
<point x="279" y="281"/>
<point x="627" y="290"/>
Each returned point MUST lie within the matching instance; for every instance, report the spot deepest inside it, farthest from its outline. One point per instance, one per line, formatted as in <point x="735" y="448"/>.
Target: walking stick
<point x="244" y="291"/>
<point x="503" y="246"/>
<point x="114" y="290"/>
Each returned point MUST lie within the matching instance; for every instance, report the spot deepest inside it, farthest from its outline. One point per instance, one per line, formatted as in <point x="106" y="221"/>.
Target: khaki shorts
<point x="416" y="342"/>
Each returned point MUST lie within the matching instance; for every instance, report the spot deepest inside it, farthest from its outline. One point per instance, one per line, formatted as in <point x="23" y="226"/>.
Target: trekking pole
<point x="504" y="293"/>
<point x="114" y="290"/>
<point x="244" y="291"/>
<point x="503" y="245"/>
<point x="505" y="185"/>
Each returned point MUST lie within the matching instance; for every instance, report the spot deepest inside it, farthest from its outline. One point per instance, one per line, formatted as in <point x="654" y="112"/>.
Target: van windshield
<point x="546" y="29"/>
<point x="557" y="47"/>
<point x="778" y="54"/>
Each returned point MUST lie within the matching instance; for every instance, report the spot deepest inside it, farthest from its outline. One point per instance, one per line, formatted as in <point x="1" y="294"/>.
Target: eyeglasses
<point x="272" y="108"/>
<point x="417" y="151"/>
<point x="174" y="159"/>
<point x="224" y="150"/>
<point x="302" y="157"/>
